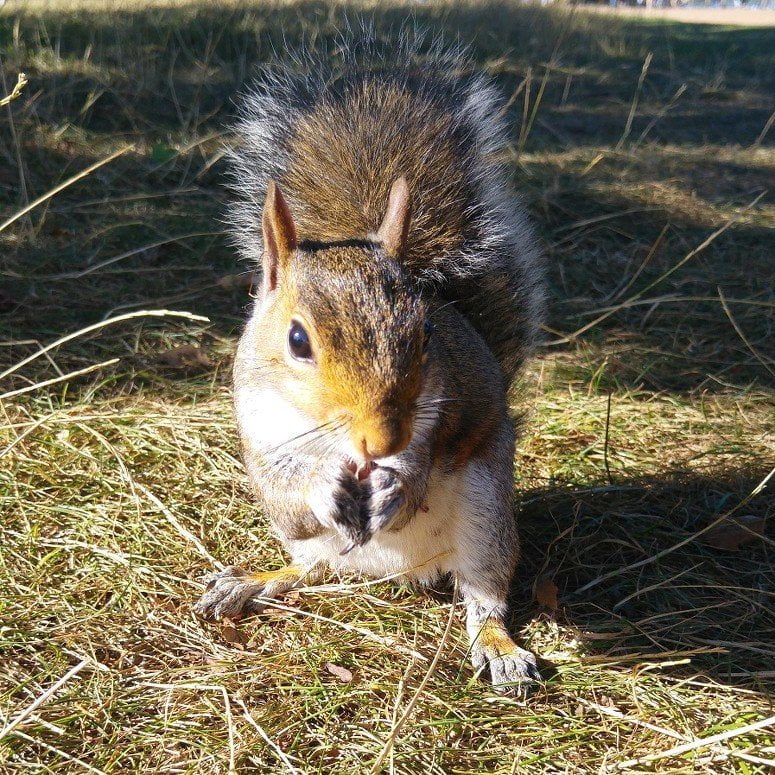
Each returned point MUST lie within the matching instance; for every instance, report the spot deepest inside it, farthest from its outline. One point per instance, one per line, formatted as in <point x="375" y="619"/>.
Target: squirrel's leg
<point x="284" y="486"/>
<point x="491" y="645"/>
<point x="488" y="547"/>
<point x="231" y="591"/>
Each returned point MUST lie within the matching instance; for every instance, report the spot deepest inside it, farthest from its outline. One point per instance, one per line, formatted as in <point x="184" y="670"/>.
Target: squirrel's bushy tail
<point x="336" y="131"/>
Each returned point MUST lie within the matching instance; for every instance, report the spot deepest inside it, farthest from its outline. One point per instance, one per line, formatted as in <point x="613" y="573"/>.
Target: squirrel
<point x="401" y="290"/>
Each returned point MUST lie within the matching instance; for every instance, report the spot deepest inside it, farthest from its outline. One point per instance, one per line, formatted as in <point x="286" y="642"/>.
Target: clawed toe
<point x="226" y="595"/>
<point x="515" y="671"/>
<point x="233" y="591"/>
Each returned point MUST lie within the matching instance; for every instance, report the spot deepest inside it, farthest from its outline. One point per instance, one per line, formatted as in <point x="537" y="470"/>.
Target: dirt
<point x="737" y="17"/>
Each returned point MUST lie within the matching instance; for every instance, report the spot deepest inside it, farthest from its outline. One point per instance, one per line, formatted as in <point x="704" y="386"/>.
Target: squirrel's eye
<point x="298" y="342"/>
<point x="427" y="331"/>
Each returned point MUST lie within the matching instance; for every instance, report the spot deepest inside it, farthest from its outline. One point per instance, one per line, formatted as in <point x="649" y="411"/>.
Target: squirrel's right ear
<point x="279" y="235"/>
<point x="394" y="229"/>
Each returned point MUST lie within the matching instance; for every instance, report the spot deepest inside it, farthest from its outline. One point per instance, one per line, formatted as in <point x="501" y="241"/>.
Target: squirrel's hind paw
<point x="230" y="591"/>
<point x="512" y="669"/>
<point x="515" y="671"/>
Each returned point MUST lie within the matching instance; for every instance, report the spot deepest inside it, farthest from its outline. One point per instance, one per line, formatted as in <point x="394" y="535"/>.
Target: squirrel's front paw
<point x="385" y="498"/>
<point x="336" y="501"/>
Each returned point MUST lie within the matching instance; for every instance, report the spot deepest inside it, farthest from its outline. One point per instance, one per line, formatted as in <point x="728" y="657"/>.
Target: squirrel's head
<point x="344" y="329"/>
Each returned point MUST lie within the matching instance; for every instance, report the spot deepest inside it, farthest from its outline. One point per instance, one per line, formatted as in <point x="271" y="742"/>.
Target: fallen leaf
<point x="161" y="153"/>
<point x="243" y="280"/>
<point x="734" y="532"/>
<point x="186" y="357"/>
<point x="546" y="593"/>
<point x="342" y="673"/>
<point x="232" y="635"/>
<point x="166" y="604"/>
<point x="7" y="302"/>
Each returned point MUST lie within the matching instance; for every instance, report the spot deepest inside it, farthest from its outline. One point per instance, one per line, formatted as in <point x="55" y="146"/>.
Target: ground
<point x="645" y="153"/>
<point x="732" y="17"/>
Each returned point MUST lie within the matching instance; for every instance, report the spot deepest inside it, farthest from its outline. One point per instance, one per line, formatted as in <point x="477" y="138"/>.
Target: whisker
<point x="327" y="441"/>
<point x="315" y="430"/>
<point x="438" y="309"/>
<point x="315" y="440"/>
<point x="430" y="415"/>
<point x="330" y="442"/>
<point x="436" y="401"/>
<point x="430" y="411"/>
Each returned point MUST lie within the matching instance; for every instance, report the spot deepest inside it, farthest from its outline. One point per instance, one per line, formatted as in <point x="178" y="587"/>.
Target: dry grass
<point x="121" y="487"/>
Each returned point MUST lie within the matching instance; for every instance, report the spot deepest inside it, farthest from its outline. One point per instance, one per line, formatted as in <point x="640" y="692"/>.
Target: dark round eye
<point x="427" y="331"/>
<point x="298" y="342"/>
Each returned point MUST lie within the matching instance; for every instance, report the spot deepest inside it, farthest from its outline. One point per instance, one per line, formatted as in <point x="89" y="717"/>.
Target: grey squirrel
<point x="401" y="291"/>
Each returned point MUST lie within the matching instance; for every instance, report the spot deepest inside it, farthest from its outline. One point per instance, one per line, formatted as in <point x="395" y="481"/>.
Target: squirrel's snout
<point x="372" y="449"/>
<point x="382" y="439"/>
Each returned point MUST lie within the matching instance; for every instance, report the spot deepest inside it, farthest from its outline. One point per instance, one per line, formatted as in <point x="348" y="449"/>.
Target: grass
<point x="649" y="415"/>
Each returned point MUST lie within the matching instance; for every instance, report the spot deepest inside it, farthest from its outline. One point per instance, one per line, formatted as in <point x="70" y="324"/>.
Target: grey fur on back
<point x="336" y="131"/>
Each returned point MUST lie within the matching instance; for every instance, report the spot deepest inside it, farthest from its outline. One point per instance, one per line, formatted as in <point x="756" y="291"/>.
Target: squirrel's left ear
<point x="279" y="235"/>
<point x="394" y="228"/>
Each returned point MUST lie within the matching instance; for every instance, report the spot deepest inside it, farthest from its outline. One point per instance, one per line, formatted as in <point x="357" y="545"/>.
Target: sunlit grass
<point x="122" y="488"/>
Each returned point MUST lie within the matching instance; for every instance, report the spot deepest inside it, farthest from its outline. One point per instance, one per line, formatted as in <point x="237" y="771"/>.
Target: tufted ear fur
<point x="279" y="235"/>
<point x="394" y="228"/>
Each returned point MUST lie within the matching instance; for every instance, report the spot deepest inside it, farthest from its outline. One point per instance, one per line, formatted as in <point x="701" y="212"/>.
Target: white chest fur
<point x="421" y="550"/>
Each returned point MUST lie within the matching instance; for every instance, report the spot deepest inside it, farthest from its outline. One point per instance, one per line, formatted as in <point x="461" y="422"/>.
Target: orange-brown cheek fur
<point x="303" y="391"/>
<point x="337" y="396"/>
<point x="326" y="390"/>
<point x="301" y="383"/>
<point x="312" y="389"/>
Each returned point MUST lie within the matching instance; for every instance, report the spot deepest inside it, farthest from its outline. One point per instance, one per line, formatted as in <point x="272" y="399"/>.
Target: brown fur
<point x="336" y="139"/>
<point x="339" y="189"/>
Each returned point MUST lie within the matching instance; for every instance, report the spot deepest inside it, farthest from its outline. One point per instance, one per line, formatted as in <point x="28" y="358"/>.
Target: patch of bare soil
<point x="740" y="17"/>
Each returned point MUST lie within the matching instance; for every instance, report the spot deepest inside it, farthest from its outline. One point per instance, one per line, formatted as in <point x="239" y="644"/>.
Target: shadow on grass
<point x="146" y="232"/>
<point x="678" y="337"/>
<point x="165" y="78"/>
<point x="633" y="580"/>
<point x="172" y="70"/>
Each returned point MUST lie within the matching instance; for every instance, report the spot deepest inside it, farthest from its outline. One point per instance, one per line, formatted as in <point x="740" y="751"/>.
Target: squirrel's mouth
<point x="361" y="470"/>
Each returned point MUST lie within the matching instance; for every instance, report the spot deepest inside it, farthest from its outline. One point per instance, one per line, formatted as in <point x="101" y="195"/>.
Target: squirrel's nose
<point x="374" y="449"/>
<point x="385" y="441"/>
